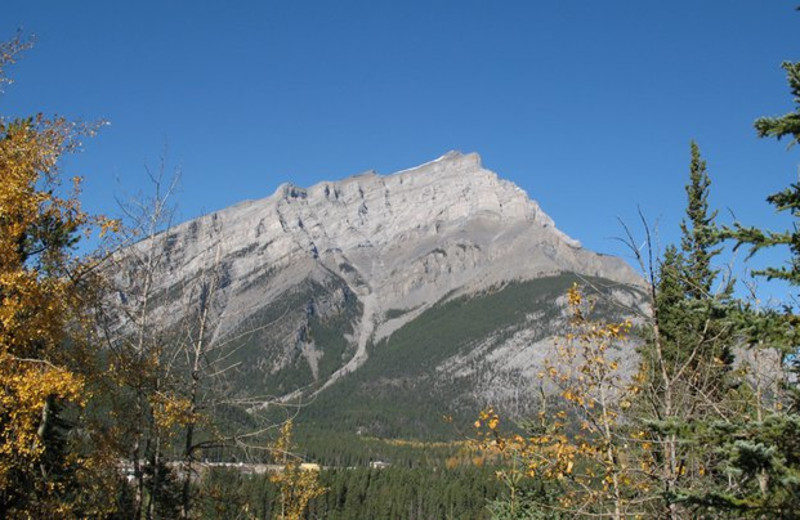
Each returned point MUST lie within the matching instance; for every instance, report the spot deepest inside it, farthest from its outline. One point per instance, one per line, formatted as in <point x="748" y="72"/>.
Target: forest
<point x="105" y="415"/>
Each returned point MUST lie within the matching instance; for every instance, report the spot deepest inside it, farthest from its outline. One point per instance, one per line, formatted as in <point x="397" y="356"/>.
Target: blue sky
<point x="588" y="106"/>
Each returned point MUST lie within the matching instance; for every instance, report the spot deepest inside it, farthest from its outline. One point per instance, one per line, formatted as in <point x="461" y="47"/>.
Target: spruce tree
<point x="686" y="360"/>
<point x="691" y="313"/>
<point x="786" y="200"/>
<point x="759" y="469"/>
<point x="698" y="239"/>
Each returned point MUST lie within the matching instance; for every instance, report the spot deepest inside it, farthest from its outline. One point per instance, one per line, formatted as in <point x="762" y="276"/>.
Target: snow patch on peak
<point x="451" y="159"/>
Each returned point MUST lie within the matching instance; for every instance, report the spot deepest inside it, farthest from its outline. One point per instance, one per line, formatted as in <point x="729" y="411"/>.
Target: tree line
<point x="461" y="492"/>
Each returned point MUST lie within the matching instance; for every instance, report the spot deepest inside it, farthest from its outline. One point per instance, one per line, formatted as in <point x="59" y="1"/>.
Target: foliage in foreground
<point x="51" y="463"/>
<point x="699" y="432"/>
<point x="695" y="433"/>
<point x="572" y="456"/>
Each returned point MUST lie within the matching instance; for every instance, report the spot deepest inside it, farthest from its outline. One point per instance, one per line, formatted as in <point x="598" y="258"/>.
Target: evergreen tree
<point x="786" y="200"/>
<point x="760" y="452"/>
<point x="689" y="314"/>
<point x="686" y="360"/>
<point x="698" y="239"/>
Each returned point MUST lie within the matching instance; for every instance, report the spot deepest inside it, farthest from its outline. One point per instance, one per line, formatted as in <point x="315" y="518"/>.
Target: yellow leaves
<point x="170" y="411"/>
<point x="27" y="385"/>
<point x="549" y="454"/>
<point x="283" y="444"/>
<point x="298" y="484"/>
<point x="574" y="296"/>
<point x="488" y="417"/>
<point x="32" y="313"/>
<point x="45" y="349"/>
<point x="298" y="487"/>
<point x="109" y="226"/>
<point x="578" y="441"/>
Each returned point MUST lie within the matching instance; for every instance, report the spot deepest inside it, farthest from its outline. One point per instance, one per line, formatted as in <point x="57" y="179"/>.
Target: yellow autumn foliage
<point x="298" y="485"/>
<point x="44" y="298"/>
<point x="170" y="411"/>
<point x="591" y="463"/>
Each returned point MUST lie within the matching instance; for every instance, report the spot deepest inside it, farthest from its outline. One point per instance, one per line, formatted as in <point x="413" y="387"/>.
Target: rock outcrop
<point x="361" y="257"/>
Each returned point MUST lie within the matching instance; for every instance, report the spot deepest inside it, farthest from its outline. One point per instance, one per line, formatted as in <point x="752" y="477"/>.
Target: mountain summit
<point x="321" y="279"/>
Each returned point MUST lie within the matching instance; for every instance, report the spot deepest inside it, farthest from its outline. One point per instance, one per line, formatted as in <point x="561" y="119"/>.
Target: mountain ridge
<point x="318" y="278"/>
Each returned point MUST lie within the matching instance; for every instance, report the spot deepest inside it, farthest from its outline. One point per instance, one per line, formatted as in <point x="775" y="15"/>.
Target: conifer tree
<point x="784" y="201"/>
<point x="698" y="240"/>
<point x="686" y="359"/>
<point x="760" y="452"/>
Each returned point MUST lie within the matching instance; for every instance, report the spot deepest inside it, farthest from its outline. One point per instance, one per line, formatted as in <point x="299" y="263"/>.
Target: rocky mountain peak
<point x="407" y="238"/>
<point x="386" y="247"/>
<point x="446" y="193"/>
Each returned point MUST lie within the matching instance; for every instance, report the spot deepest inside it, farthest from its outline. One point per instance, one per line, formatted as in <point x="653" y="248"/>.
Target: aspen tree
<point x="47" y="354"/>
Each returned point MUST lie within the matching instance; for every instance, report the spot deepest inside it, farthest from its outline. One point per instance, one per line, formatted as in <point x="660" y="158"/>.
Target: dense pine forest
<point x="360" y="492"/>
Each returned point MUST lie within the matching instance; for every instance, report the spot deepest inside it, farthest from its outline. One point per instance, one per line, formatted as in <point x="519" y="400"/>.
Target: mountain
<point x="381" y="301"/>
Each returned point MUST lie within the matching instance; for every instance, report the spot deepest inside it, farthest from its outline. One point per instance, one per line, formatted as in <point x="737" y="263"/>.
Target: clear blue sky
<point x="589" y="106"/>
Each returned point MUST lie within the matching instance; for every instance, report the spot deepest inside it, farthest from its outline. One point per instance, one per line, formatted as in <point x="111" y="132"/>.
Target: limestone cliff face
<point x="376" y="251"/>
